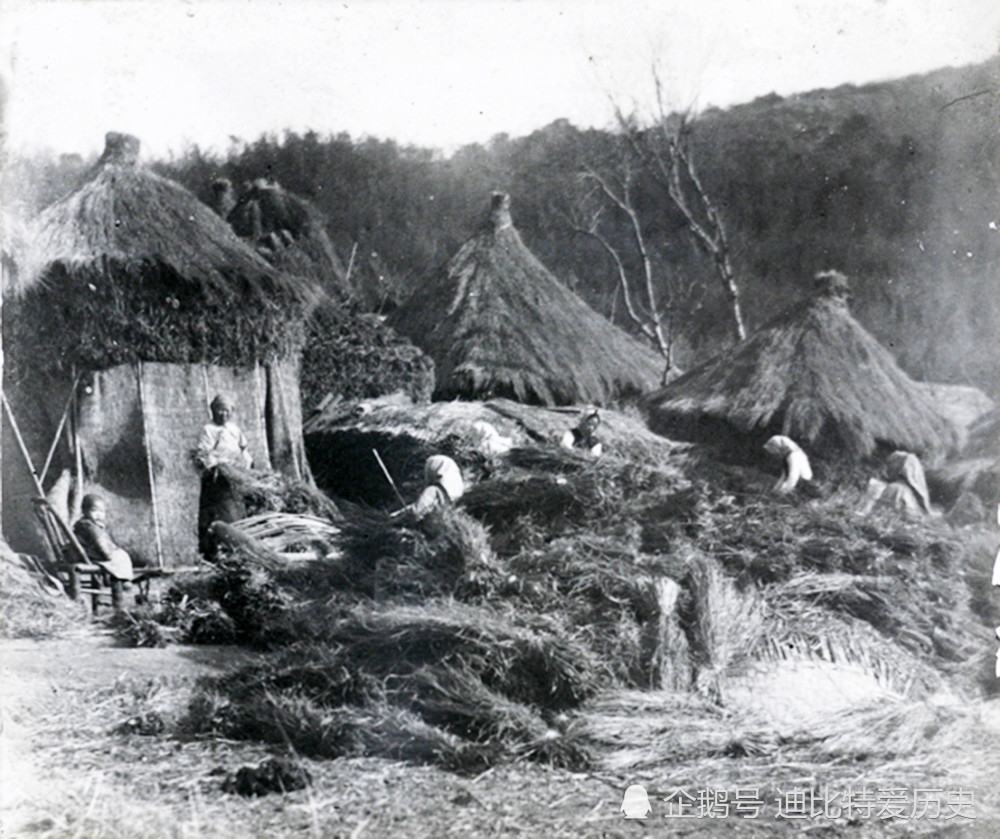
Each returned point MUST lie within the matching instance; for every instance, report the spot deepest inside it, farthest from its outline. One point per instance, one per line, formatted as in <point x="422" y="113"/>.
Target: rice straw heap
<point x="497" y="323"/>
<point x="289" y="232"/>
<point x="814" y="374"/>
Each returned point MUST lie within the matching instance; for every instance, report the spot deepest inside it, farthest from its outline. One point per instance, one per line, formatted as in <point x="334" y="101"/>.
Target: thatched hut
<point x="814" y="374"/>
<point x="497" y="323"/>
<point x="146" y="300"/>
<point x="289" y="232"/>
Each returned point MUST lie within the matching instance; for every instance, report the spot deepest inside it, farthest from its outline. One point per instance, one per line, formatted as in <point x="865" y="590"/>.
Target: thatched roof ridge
<point x="497" y="323"/>
<point x="125" y="214"/>
<point x="812" y="373"/>
<point x="984" y="436"/>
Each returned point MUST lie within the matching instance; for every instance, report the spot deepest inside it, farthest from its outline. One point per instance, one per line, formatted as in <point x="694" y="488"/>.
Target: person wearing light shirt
<point x="221" y="443"/>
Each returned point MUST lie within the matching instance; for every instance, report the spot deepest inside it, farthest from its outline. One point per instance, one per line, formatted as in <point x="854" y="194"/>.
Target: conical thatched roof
<point x="289" y="233"/>
<point x="130" y="266"/>
<point x="814" y="374"/>
<point x="497" y="323"/>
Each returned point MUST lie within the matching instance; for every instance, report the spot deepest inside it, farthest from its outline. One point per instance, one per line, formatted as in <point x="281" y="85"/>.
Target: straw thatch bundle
<point x="814" y="374"/>
<point x="442" y="677"/>
<point x="290" y="233"/>
<point x="497" y="323"/>
<point x="131" y="266"/>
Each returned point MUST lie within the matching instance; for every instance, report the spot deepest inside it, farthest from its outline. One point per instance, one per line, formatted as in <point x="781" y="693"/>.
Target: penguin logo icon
<point x="635" y="804"/>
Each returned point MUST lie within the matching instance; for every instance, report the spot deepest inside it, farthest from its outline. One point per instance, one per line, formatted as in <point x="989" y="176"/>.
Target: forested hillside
<point x="895" y="183"/>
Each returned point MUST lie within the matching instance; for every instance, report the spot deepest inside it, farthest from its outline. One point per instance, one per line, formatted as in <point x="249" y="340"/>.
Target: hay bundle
<point x="274" y="492"/>
<point x="401" y="555"/>
<point x="130" y="266"/>
<point x="497" y="323"/>
<point x="554" y="487"/>
<point x="443" y="682"/>
<point x="27" y="610"/>
<point x="814" y="374"/>
<point x="531" y="659"/>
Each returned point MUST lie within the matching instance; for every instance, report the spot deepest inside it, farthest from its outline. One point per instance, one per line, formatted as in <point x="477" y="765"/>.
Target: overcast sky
<point x="437" y="72"/>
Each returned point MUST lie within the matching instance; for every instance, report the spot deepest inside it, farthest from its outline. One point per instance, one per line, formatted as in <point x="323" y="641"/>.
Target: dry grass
<point x="29" y="611"/>
<point x="460" y="685"/>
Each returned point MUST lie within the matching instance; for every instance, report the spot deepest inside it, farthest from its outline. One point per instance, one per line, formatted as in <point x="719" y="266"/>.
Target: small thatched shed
<point x="133" y="305"/>
<point x="347" y="354"/>
<point x="289" y="232"/>
<point x="814" y="374"/>
<point x="497" y="323"/>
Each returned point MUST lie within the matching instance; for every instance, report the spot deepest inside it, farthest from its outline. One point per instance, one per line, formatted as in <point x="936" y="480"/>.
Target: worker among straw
<point x="221" y="444"/>
<point x="444" y="486"/>
<point x="584" y="435"/>
<point x="794" y="461"/>
<point x="906" y="491"/>
<point x="91" y="531"/>
<point x="488" y="441"/>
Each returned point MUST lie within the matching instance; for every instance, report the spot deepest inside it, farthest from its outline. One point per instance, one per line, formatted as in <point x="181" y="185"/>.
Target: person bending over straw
<point x="444" y="486"/>
<point x="584" y="435"/>
<point x="906" y="492"/>
<point x="221" y="443"/>
<point x="795" y="463"/>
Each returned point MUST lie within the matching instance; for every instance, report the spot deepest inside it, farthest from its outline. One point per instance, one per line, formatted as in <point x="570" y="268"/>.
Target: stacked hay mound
<point x="341" y="439"/>
<point x="813" y="374"/>
<point x="487" y="632"/>
<point x="133" y="305"/>
<point x="29" y="606"/>
<point x="347" y="353"/>
<point x="497" y="323"/>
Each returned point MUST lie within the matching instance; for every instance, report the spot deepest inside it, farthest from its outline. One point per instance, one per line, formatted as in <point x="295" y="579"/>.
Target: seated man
<point x="584" y="436"/>
<point x="221" y="442"/>
<point x="91" y="531"/>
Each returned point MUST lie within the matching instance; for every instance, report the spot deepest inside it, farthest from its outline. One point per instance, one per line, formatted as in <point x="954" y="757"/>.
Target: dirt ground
<point x="66" y="772"/>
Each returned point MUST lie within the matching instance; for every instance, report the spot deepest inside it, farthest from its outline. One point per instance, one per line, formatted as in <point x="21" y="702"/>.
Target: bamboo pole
<point x="21" y="445"/>
<point x="59" y="430"/>
<point x="149" y="467"/>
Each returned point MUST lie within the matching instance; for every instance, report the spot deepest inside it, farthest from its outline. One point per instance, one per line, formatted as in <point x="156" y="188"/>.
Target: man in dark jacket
<point x="91" y="531"/>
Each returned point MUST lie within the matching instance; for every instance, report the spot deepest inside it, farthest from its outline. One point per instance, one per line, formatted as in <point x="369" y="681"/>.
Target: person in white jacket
<point x="221" y="442"/>
<point x="795" y="463"/>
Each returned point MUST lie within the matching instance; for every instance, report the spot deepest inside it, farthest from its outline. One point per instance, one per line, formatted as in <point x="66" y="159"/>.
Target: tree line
<point x="893" y="183"/>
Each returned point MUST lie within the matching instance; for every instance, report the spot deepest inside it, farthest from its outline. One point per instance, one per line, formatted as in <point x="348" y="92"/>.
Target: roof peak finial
<point x="119" y="148"/>
<point x="833" y="285"/>
<point x="500" y="211"/>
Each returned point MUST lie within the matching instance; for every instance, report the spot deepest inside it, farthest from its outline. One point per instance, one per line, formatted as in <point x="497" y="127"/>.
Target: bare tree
<point x="665" y="151"/>
<point x="652" y="298"/>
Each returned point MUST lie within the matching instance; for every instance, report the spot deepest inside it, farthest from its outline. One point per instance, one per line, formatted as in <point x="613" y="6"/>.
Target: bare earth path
<point x="65" y="772"/>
